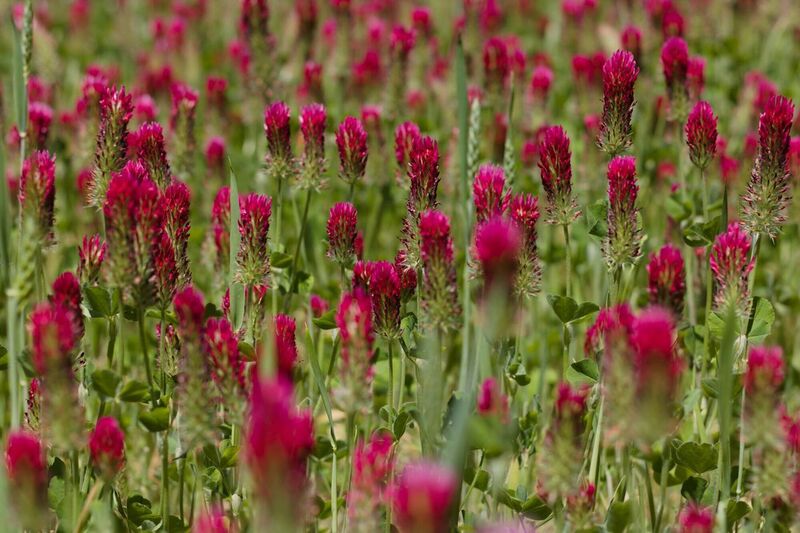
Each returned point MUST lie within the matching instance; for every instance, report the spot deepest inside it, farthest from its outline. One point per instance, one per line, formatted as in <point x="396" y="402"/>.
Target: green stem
<point x="293" y="280"/>
<point x="165" y="480"/>
<point x="84" y="515"/>
<point x="143" y="342"/>
<point x="334" y="496"/>
<point x="569" y="260"/>
<point x="277" y="239"/>
<point x="391" y="384"/>
<point x="13" y="372"/>
<point x="598" y="437"/>
<point x="663" y="483"/>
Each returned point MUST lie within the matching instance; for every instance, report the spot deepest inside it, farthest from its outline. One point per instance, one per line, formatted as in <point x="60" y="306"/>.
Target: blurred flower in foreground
<point x="696" y="519"/>
<point x="354" y="320"/>
<point x="438" y="285"/>
<point x="373" y="463"/>
<point x="556" y="170"/>
<point x="278" y="440"/>
<point x="675" y="64"/>
<point x="26" y="467"/>
<point x="107" y="447"/>
<point x="421" y="498"/>
<point x="701" y="135"/>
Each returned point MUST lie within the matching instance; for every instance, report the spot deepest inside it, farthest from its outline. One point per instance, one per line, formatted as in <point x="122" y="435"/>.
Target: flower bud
<point x="541" y="81"/>
<point x="631" y="40"/>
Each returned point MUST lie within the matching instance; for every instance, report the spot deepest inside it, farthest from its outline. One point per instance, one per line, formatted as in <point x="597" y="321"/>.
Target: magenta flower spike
<point x="253" y="257"/>
<point x="226" y="363"/>
<point x="91" y="254"/>
<point x="146" y="145"/>
<point x="701" y="135"/>
<point x="695" y="518"/>
<point x="731" y="265"/>
<point x="622" y="243"/>
<point x="489" y="193"/>
<point x="313" y="123"/>
<point x="36" y="195"/>
<point x="354" y="320"/>
<point x="385" y="292"/>
<point x="342" y="231"/>
<point x="116" y="109"/>
<point x="351" y="141"/>
<point x="438" y="285"/>
<point x="766" y="200"/>
<point x="556" y="171"/>
<point x="285" y="329"/>
<point x="675" y="65"/>
<point x="619" y="77"/>
<point x="666" y="279"/>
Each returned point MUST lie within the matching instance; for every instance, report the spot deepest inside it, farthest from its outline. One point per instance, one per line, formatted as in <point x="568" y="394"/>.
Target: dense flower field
<point x="410" y="265"/>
